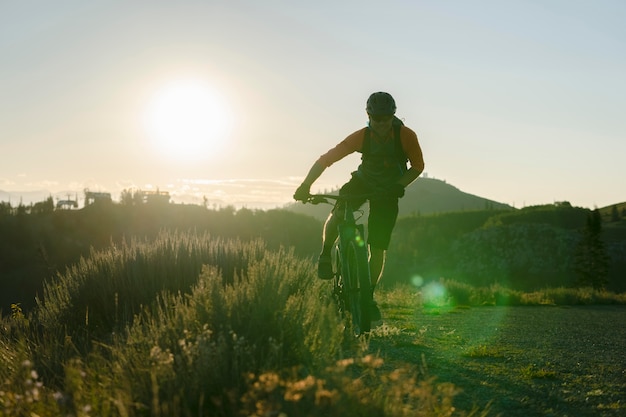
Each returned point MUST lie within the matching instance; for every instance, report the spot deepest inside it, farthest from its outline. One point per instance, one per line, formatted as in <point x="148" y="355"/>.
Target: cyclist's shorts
<point x="382" y="216"/>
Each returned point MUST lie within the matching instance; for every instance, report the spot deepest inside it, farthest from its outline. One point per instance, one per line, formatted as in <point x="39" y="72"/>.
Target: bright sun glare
<point x="188" y="120"/>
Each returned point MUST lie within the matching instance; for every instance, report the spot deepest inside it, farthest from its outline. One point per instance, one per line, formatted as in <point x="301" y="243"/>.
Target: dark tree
<point x="126" y="197"/>
<point x="5" y="208"/>
<point x="615" y="217"/>
<point x="43" y="207"/>
<point x="591" y="261"/>
<point x="21" y="210"/>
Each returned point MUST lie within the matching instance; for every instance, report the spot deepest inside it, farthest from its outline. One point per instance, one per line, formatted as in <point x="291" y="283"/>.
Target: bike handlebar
<point x="323" y="198"/>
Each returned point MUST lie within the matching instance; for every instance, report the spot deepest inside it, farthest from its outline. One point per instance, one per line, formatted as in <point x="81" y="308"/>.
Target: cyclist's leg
<point x="329" y="236"/>
<point x="354" y="186"/>
<point x="377" y="264"/>
<point x="382" y="219"/>
<point x="330" y="233"/>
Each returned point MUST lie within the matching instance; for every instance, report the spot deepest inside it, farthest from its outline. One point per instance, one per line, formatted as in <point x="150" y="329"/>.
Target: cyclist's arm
<point x="351" y="144"/>
<point x="411" y="175"/>
<point x="314" y="173"/>
<point x="413" y="151"/>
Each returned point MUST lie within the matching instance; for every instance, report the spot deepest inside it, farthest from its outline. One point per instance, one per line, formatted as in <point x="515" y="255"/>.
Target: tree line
<point x="528" y="249"/>
<point x="535" y="247"/>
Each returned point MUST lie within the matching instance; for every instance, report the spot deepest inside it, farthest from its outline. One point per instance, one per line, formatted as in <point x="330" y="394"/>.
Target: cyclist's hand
<point x="396" y="190"/>
<point x="303" y="192"/>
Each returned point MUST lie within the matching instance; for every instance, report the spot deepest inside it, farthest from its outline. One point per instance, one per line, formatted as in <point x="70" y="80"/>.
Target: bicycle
<point x="351" y="280"/>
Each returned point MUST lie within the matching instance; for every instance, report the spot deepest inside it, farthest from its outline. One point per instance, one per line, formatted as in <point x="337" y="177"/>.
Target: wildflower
<point x="269" y="381"/>
<point x="325" y="398"/>
<point x="304" y="384"/>
<point x="295" y="391"/>
<point x="35" y="393"/>
<point x="372" y="361"/>
<point x="344" y="363"/>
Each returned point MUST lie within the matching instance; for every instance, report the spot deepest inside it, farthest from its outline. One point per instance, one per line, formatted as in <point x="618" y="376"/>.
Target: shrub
<point x="454" y="293"/>
<point x="191" y="345"/>
<point x="506" y="296"/>
<point x="102" y="293"/>
<point x="460" y="293"/>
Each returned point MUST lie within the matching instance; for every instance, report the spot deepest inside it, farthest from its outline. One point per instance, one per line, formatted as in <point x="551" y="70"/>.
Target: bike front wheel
<point x="358" y="287"/>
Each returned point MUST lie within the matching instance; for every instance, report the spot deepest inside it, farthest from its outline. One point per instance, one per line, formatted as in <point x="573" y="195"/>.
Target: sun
<point x="188" y="120"/>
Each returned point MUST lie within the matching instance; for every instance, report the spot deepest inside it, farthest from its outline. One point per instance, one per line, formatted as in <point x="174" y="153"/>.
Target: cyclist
<point x="383" y="173"/>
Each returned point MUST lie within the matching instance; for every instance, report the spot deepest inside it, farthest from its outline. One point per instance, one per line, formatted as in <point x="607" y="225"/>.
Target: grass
<point x="452" y="293"/>
<point x="535" y="372"/>
<point x="483" y="351"/>
<point x="514" y="361"/>
<point x="190" y="325"/>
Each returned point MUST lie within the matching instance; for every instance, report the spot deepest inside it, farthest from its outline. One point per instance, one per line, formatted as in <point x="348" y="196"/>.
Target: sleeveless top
<point x="381" y="164"/>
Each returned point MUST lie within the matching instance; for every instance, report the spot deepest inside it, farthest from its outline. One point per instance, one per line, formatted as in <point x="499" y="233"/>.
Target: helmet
<point x="380" y="103"/>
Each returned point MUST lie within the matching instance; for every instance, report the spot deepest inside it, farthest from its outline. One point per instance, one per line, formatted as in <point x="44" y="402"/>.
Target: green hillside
<point x="611" y="215"/>
<point x="527" y="249"/>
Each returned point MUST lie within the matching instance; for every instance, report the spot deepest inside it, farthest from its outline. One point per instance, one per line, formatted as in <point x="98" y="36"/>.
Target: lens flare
<point x="417" y="281"/>
<point x="434" y="293"/>
<point x="439" y="299"/>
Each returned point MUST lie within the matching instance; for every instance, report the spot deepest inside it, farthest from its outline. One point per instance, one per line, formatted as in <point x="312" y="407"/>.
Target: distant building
<point x="155" y="197"/>
<point x="92" y="197"/>
<point x="67" y="204"/>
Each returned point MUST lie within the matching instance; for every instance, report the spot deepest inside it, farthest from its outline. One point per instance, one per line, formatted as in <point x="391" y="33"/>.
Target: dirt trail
<point x="528" y="361"/>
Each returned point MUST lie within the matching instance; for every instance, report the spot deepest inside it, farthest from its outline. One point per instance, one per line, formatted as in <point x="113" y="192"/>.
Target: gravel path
<point x="526" y="361"/>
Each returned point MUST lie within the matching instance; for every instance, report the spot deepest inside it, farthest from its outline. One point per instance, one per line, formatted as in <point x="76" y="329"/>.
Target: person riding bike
<point x="382" y="175"/>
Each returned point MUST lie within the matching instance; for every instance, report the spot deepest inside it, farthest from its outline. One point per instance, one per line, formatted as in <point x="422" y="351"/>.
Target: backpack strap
<point x="397" y="126"/>
<point x="397" y="142"/>
<point x="365" y="149"/>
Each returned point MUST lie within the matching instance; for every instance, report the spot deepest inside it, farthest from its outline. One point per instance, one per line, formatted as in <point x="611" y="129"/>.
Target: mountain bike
<point x="351" y="280"/>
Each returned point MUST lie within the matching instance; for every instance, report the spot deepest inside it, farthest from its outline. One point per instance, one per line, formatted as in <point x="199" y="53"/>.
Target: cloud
<point x="246" y="192"/>
<point x="42" y="185"/>
<point x="6" y="182"/>
<point x="251" y="193"/>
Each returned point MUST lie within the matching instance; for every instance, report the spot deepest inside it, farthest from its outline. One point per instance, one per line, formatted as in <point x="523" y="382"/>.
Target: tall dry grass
<point x="189" y="325"/>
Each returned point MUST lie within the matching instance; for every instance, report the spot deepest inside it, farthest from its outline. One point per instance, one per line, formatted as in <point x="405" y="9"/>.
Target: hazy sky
<point x="521" y="102"/>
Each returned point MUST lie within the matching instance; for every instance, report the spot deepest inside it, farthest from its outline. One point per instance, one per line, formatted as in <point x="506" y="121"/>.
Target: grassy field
<point x="544" y="360"/>
<point x="188" y="325"/>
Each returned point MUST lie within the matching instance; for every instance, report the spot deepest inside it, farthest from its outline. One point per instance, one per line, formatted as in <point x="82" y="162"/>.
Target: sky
<point x="521" y="102"/>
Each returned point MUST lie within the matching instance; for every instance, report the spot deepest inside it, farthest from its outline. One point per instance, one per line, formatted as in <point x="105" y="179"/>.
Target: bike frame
<point x="351" y="284"/>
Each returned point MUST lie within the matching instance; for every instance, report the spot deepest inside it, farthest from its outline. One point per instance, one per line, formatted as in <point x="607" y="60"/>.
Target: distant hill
<point x="23" y="197"/>
<point x="424" y="196"/>
<point x="615" y="210"/>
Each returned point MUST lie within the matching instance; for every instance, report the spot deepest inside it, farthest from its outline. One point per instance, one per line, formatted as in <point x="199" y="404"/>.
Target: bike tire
<point x="357" y="280"/>
<point x="338" y="282"/>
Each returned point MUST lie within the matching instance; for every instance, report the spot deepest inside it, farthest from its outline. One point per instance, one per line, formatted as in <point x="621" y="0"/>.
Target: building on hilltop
<point x="92" y="197"/>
